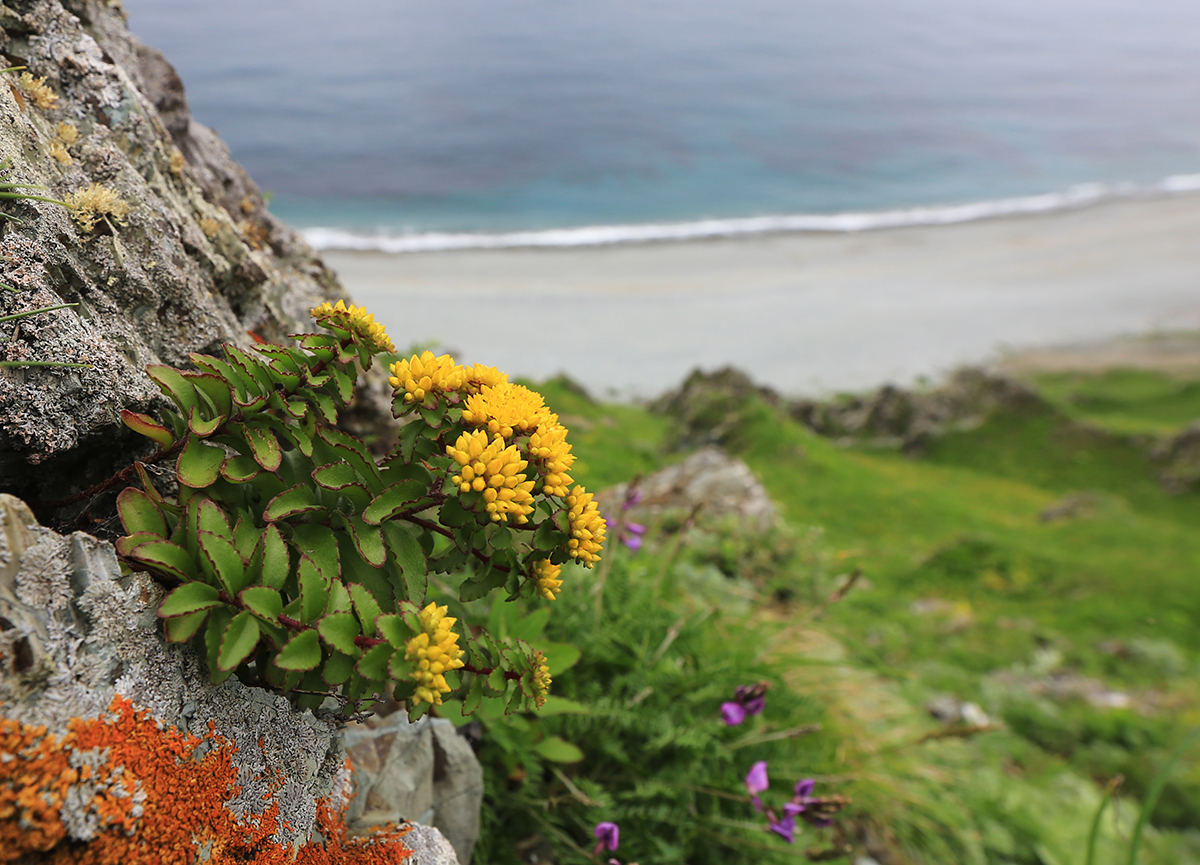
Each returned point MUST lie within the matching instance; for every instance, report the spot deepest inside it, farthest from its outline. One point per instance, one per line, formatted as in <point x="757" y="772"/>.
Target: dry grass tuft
<point x="37" y="91"/>
<point x="94" y="203"/>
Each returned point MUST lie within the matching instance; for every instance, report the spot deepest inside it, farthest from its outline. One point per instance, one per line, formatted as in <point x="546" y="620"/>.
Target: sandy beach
<point x="803" y="313"/>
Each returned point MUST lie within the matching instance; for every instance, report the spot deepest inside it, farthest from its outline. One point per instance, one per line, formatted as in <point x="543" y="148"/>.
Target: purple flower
<point x="785" y="828"/>
<point x="801" y="801"/>
<point x="608" y="834"/>
<point x="732" y="714"/>
<point x="631" y="535"/>
<point x="747" y="700"/>
<point x="757" y="782"/>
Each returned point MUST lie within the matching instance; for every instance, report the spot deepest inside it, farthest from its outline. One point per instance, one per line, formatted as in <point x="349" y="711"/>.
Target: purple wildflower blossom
<point x="785" y="828"/>
<point x="608" y="834"/>
<point x="732" y="713"/>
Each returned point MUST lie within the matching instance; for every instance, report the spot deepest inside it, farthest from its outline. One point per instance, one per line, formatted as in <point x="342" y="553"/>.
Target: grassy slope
<point x="1025" y="596"/>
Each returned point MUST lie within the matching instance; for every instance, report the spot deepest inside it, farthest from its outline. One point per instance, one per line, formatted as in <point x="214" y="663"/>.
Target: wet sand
<point x="803" y="313"/>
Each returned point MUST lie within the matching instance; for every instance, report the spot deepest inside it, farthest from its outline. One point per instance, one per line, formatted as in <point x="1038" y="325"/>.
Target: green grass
<point x="970" y="592"/>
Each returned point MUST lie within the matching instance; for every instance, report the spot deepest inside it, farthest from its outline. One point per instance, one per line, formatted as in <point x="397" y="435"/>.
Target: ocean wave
<point x="325" y="238"/>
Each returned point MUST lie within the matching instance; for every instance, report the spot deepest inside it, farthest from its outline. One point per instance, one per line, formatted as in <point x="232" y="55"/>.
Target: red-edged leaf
<point x="238" y="470"/>
<point x="189" y="598"/>
<point x="265" y="446"/>
<point x="294" y="500"/>
<point x="223" y="561"/>
<point x="139" y="513"/>
<point x="146" y="425"/>
<point x="182" y="628"/>
<point x="239" y="640"/>
<point x="199" y="464"/>
<point x="203" y="428"/>
<point x="172" y="383"/>
<point x="165" y="558"/>
<point x="264" y="601"/>
<point x="303" y="652"/>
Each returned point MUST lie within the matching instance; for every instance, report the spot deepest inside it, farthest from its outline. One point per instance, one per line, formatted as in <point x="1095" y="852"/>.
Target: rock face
<point x="423" y="772"/>
<point x="172" y="761"/>
<point x="197" y="260"/>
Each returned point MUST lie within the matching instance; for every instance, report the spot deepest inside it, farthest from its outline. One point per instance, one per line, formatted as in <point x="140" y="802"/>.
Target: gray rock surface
<point x="719" y="485"/>
<point x="422" y="772"/>
<point x="197" y="261"/>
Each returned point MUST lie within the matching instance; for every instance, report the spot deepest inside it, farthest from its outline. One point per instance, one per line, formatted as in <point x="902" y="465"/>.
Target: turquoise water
<point x="397" y="125"/>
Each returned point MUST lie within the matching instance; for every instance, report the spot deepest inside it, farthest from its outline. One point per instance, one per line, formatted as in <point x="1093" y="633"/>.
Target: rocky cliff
<point x="180" y="256"/>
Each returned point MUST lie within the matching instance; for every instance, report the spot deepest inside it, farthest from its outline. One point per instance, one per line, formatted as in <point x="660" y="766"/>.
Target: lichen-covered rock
<point x="424" y="772"/>
<point x="709" y="484"/>
<point x="197" y="260"/>
<point x="115" y="747"/>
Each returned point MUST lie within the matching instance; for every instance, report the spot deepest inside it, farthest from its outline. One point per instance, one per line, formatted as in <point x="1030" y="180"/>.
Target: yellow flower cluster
<point x="507" y="409"/>
<point x="547" y="577"/>
<point x="548" y="444"/>
<point x="587" y="527"/>
<point x="436" y="652"/>
<point x="496" y="472"/>
<point x="541" y="679"/>
<point x="426" y="374"/>
<point x="355" y="319"/>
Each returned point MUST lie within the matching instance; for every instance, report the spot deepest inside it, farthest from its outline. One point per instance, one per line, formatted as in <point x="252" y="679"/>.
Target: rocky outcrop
<point x="709" y="484"/>
<point x="891" y="416"/>
<point x="114" y="739"/>
<point x="197" y="260"/>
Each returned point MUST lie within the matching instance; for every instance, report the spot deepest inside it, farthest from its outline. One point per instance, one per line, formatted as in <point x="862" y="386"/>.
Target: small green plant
<point x="299" y="560"/>
<point x="11" y="191"/>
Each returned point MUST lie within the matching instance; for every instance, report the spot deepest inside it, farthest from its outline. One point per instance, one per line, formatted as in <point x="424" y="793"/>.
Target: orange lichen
<point x="152" y="801"/>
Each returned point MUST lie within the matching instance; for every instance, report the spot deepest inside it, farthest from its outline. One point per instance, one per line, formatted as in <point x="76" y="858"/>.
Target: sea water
<point x="403" y="125"/>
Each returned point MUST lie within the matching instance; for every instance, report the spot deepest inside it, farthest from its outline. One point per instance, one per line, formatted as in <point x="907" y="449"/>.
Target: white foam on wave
<point x="599" y="235"/>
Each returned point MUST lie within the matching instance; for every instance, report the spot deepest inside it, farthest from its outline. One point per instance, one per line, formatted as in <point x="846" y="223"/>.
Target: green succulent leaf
<point x="147" y="426"/>
<point x="264" y="446"/>
<point x="453" y="515"/>
<point x="190" y="598"/>
<point x="320" y="543"/>
<point x="247" y="538"/>
<point x="314" y="590"/>
<point x="264" y="601"/>
<point x="295" y="500"/>
<point x="250" y="366"/>
<point x="276" y="561"/>
<point x="241" y="636"/>
<point x="337" y="668"/>
<point x="353" y="451"/>
<point x="548" y="537"/>
<point x="239" y="470"/>
<point x="214" y="633"/>
<point x="396" y="498"/>
<point x="175" y="386"/>
<point x="369" y="542"/>
<point x="481" y="585"/>
<point x="410" y="557"/>
<point x="180" y="629"/>
<point x="399" y="667"/>
<point x="474" y="697"/>
<point x="199" y="464"/>
<point x="165" y="558"/>
<point x="393" y="628"/>
<point x="210" y="518"/>
<point x="140" y="514"/>
<point x="323" y="403"/>
<point x="410" y="434"/>
<point x="214" y="390"/>
<point x="222" y="561"/>
<point x="125" y="545"/>
<point x="339" y="599"/>
<point x="296" y="407"/>
<point x="365" y="606"/>
<point x="343" y="376"/>
<point x="335" y="476"/>
<point x="373" y="664"/>
<point x="302" y="652"/>
<point x="339" y="631"/>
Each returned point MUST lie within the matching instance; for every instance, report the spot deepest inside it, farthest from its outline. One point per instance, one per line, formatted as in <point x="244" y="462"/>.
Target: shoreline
<point x="804" y="313"/>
